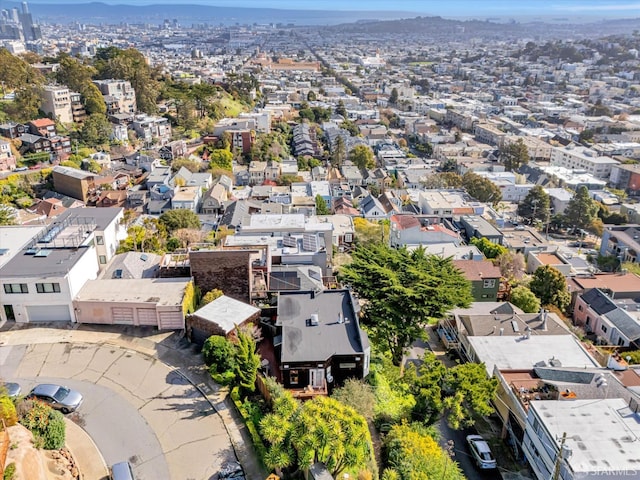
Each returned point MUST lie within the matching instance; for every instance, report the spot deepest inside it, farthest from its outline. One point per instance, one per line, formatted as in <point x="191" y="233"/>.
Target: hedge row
<point x="253" y="430"/>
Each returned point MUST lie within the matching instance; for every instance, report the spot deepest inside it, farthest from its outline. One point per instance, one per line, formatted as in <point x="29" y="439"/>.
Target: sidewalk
<point x="85" y="453"/>
<point x="170" y="348"/>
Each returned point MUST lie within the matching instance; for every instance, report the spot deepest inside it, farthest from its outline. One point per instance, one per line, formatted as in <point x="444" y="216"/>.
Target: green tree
<point x="247" y="361"/>
<point x="536" y="206"/>
<point x="18" y="76"/>
<point x="338" y="152"/>
<point x="393" y="98"/>
<point x="449" y="165"/>
<point x="462" y="393"/>
<point x="488" y="248"/>
<point x="321" y="206"/>
<point x="412" y="453"/>
<point x="581" y="210"/>
<point x="480" y="188"/>
<point x="221" y="158"/>
<point x="7" y="217"/>
<point x="193" y="166"/>
<point x="8" y="410"/>
<point x="525" y="299"/>
<point x="404" y="291"/>
<point x="550" y="286"/>
<point x="358" y="395"/>
<point x="351" y="127"/>
<point x="443" y="180"/>
<point x="341" y="109"/>
<point x="176" y="219"/>
<point x="324" y="430"/>
<point x="78" y="77"/>
<point x="46" y="424"/>
<point x="219" y="353"/>
<point x="210" y="296"/>
<point x="514" y="155"/>
<point x="96" y="130"/>
<point x="362" y="156"/>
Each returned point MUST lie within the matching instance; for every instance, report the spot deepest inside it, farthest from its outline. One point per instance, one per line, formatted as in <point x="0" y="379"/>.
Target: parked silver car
<point x="121" y="471"/>
<point x="481" y="452"/>
<point x="11" y="389"/>
<point x="56" y="396"/>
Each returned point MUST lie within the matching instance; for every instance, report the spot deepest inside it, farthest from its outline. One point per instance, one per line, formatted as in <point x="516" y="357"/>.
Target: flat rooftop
<point x="602" y="435"/>
<point x="303" y="342"/>
<point x="159" y="291"/>
<point x="518" y="353"/>
<point x="13" y="238"/>
<point x="227" y="312"/>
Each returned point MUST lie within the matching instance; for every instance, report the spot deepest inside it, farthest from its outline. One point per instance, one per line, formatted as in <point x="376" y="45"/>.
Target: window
<point x="580" y="307"/>
<point x="490" y="283"/>
<point x="100" y="240"/>
<point x="103" y="259"/>
<point x="48" y="287"/>
<point x="293" y="377"/>
<point x="604" y="329"/>
<point x="588" y="321"/>
<point x="15" y="288"/>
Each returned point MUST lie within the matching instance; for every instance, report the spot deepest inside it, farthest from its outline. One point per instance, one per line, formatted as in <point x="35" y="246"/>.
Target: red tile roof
<point x="43" y="122"/>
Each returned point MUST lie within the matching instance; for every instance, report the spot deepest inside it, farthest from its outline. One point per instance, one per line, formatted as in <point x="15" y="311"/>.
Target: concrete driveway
<point x="135" y="407"/>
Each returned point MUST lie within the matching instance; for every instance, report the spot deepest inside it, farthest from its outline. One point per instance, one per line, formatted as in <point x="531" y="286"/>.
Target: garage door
<point x="147" y="316"/>
<point x="122" y="315"/>
<point x="49" y="313"/>
<point x="171" y="320"/>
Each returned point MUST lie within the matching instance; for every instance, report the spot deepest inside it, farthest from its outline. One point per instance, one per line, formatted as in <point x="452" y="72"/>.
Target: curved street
<point x="135" y="407"/>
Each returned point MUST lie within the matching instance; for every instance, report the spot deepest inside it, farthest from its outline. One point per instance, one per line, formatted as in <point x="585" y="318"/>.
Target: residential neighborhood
<point x="403" y="247"/>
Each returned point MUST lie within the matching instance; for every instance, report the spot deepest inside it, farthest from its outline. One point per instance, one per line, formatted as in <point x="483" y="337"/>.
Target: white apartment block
<point x="56" y="101"/>
<point x="581" y="158"/>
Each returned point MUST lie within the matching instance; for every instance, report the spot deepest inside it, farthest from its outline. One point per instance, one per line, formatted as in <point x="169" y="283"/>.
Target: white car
<point x="481" y="452"/>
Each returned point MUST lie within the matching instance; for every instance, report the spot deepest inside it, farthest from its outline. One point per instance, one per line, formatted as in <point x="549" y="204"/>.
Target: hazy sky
<point x="609" y="8"/>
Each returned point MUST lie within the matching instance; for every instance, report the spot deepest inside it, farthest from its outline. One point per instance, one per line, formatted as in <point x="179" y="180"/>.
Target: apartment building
<point x="118" y="94"/>
<point x="581" y="158"/>
<point x="56" y="101"/>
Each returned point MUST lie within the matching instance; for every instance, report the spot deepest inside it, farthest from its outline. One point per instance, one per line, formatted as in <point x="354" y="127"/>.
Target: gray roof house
<point x="320" y="343"/>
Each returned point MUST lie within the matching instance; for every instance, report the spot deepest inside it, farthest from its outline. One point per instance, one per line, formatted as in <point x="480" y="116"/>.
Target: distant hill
<point x="97" y="13"/>
<point x="435" y="27"/>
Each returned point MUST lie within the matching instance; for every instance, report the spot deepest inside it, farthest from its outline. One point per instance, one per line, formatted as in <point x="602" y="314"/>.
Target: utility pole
<point x="556" y="471"/>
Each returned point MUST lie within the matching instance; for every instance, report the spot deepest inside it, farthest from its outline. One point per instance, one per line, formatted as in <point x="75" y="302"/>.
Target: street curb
<point x="86" y="438"/>
<point x="242" y="448"/>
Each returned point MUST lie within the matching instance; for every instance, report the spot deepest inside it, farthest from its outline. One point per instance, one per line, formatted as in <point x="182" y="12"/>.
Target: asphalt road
<point x="135" y="407"/>
<point x="461" y="452"/>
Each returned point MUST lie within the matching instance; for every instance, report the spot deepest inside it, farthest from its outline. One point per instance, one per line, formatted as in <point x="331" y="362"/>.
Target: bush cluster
<point x="46" y="424"/>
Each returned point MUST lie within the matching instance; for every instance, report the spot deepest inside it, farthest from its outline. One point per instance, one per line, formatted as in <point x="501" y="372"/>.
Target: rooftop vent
<point x="315" y="320"/>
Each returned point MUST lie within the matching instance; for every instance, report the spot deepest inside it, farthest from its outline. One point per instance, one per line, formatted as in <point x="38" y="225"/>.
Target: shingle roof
<point x="598" y="301"/>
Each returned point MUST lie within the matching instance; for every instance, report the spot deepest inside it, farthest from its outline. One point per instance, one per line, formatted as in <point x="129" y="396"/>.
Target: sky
<point x="447" y="8"/>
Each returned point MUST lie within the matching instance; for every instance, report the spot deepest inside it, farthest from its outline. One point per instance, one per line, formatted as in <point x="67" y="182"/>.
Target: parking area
<point x="135" y="407"/>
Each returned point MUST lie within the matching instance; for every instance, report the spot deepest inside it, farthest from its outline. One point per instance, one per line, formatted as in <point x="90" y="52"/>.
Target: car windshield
<point x="61" y="394"/>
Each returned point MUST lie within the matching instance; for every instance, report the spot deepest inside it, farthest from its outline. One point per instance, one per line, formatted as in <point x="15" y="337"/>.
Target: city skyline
<point x="452" y="8"/>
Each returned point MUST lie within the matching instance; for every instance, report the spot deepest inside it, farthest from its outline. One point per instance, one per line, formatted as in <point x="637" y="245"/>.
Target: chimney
<point x="501" y="331"/>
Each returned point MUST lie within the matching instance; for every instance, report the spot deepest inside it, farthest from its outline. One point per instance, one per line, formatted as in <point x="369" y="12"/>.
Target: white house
<point x="41" y="279"/>
<point x="599" y="438"/>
